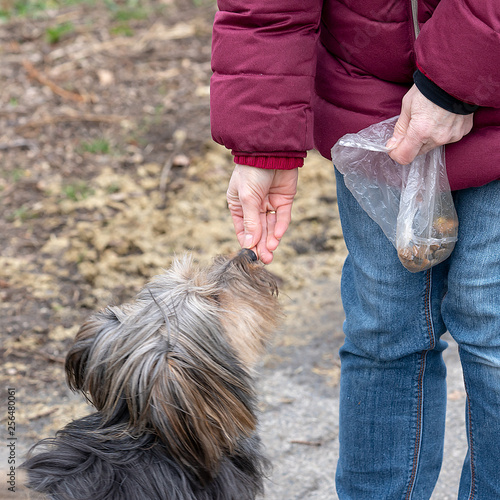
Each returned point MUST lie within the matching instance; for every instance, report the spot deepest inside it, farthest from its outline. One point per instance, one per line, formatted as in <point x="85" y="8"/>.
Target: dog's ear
<point x="78" y="355"/>
<point x="200" y="411"/>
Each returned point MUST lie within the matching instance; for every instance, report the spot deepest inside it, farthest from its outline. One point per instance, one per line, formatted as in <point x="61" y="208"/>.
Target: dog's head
<point x="178" y="361"/>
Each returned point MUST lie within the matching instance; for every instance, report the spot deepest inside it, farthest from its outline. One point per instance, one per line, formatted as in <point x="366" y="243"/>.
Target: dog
<point x="171" y="376"/>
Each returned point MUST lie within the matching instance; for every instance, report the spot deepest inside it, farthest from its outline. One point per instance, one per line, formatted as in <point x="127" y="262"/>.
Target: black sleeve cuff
<point x="438" y="96"/>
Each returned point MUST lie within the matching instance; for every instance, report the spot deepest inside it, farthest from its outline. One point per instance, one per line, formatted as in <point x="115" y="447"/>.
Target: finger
<point x="401" y="126"/>
<point x="272" y="241"/>
<point x="406" y="151"/>
<point x="244" y="201"/>
<point x="266" y="257"/>
<point x="447" y="134"/>
<point x="252" y="224"/>
<point x="236" y="212"/>
<point x="239" y="228"/>
<point x="283" y="218"/>
<point x="252" y="232"/>
<point x="263" y="252"/>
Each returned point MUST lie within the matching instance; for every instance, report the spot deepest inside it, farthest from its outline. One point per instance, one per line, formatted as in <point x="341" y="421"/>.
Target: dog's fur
<point x="171" y="377"/>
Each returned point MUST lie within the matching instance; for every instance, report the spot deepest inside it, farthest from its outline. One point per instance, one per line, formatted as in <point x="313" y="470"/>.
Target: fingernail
<point x="248" y="241"/>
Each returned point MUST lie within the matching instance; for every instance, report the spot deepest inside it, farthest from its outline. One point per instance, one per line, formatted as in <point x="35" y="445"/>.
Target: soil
<point x="107" y="171"/>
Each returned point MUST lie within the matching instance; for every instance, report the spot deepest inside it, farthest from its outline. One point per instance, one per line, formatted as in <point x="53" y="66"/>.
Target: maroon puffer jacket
<point x="293" y="75"/>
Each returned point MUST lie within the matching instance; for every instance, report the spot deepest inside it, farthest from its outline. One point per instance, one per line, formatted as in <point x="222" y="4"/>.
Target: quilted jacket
<point x="289" y="76"/>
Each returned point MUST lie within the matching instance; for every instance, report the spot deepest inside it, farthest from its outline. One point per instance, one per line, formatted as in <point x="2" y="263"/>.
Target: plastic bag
<point x="411" y="203"/>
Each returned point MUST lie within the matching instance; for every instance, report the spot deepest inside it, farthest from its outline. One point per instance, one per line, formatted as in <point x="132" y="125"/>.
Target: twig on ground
<point x="307" y="443"/>
<point x="41" y="78"/>
<point x="42" y="414"/>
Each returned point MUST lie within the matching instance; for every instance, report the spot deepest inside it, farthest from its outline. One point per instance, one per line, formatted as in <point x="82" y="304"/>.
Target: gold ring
<point x="271" y="212"/>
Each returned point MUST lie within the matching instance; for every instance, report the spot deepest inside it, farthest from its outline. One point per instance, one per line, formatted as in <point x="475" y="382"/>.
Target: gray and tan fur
<point x="171" y="378"/>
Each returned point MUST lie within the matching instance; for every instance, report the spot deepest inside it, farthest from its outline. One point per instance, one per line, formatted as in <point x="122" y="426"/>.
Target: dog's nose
<point x="248" y="254"/>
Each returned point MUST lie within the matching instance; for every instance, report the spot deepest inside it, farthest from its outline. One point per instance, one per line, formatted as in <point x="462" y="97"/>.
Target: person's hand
<point x="260" y="202"/>
<point x="422" y="126"/>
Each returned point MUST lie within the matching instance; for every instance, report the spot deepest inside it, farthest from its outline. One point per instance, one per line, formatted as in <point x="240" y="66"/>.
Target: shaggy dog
<point x="171" y="378"/>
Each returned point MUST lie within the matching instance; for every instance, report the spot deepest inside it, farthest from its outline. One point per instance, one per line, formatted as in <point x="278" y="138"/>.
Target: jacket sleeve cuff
<point x="270" y="162"/>
<point x="440" y="97"/>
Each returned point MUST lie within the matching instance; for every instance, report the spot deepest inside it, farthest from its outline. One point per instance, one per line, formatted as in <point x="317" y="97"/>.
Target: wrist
<point x="440" y="97"/>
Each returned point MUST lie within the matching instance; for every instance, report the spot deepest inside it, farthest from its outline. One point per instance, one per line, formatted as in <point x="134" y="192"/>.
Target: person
<point x="289" y="76"/>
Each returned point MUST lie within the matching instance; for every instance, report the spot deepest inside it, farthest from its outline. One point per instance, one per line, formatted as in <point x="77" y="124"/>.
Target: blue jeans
<point x="393" y="378"/>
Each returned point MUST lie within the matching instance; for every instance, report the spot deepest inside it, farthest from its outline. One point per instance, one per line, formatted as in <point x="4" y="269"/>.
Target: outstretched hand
<point x="422" y="126"/>
<point x="260" y="202"/>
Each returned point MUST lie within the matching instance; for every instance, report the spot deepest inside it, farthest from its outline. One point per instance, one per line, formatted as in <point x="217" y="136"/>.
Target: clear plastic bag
<point x="411" y="203"/>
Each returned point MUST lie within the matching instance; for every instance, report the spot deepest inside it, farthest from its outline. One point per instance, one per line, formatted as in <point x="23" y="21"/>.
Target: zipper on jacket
<point x="414" y="15"/>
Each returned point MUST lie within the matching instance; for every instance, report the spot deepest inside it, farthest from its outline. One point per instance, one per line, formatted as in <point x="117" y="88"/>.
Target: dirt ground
<point x="107" y="170"/>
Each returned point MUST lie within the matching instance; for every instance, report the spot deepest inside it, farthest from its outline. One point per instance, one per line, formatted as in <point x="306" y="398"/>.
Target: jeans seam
<point x="420" y="397"/>
<point x="428" y="316"/>
<point x="418" y="435"/>
<point x="472" y="493"/>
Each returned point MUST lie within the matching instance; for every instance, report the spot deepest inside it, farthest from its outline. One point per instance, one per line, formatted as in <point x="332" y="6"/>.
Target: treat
<point x="443" y="227"/>
<point x="418" y="256"/>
